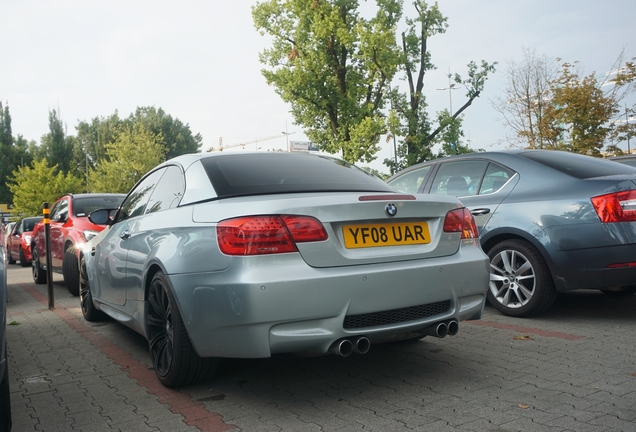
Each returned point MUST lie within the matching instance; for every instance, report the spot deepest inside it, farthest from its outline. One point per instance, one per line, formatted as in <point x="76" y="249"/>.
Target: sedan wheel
<point x="90" y="312"/>
<point x="39" y="275"/>
<point x="173" y="357"/>
<point x="70" y="270"/>
<point x="520" y="281"/>
<point x="23" y="260"/>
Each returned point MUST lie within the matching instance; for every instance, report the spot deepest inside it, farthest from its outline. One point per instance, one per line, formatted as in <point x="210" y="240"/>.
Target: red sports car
<point x="19" y="241"/>
<point x="69" y="230"/>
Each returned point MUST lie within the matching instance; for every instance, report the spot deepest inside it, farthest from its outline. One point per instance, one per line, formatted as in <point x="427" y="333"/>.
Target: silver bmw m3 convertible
<point x="245" y="255"/>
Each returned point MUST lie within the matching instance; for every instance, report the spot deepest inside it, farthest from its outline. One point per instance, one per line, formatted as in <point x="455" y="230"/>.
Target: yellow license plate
<point x="389" y="234"/>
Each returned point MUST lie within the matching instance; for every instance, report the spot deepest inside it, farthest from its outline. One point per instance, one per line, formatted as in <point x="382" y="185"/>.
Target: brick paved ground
<point x="573" y="369"/>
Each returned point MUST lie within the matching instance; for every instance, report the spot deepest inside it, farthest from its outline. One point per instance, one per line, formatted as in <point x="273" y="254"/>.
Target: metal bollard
<point x="46" y="220"/>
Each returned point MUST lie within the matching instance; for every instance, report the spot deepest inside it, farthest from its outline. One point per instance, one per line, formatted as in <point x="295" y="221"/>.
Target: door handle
<point x="124" y="235"/>
<point x="480" y="211"/>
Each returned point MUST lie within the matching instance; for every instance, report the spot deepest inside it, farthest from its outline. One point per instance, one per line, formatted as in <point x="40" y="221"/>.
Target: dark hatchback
<point x="550" y="221"/>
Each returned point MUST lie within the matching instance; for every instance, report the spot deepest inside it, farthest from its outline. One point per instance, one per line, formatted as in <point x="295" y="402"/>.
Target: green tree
<point x="134" y="151"/>
<point x="526" y="98"/>
<point x="92" y="138"/>
<point x="55" y="145"/>
<point x="419" y="133"/>
<point x="39" y="183"/>
<point x="177" y="137"/>
<point x="7" y="161"/>
<point x="333" y="67"/>
<point x="563" y="109"/>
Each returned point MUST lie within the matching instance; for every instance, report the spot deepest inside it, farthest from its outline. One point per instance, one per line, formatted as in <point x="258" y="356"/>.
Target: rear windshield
<point x="272" y="173"/>
<point x="578" y="165"/>
<point x="84" y="205"/>
<point x="30" y="223"/>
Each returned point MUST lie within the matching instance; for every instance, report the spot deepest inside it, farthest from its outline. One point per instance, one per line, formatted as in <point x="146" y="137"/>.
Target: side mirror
<point x="100" y="217"/>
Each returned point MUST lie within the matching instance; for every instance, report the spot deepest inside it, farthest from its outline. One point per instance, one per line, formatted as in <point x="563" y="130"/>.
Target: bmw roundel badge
<point x="390" y="209"/>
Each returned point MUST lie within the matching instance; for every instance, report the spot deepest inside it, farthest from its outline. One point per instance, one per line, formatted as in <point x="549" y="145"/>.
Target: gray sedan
<point x="246" y="255"/>
<point x="550" y="221"/>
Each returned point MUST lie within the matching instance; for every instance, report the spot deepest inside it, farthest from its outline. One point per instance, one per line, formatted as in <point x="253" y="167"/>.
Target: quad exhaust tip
<point x="443" y="329"/>
<point x="345" y="347"/>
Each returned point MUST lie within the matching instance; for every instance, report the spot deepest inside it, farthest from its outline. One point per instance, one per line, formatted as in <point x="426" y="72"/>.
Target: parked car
<point x="19" y="241"/>
<point x="5" y="400"/>
<point x="550" y="221"/>
<point x="7" y="228"/>
<point x="626" y="159"/>
<point x="245" y="255"/>
<point x="70" y="229"/>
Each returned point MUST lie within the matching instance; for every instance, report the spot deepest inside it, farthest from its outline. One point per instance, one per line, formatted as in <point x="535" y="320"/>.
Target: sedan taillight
<point x="616" y="207"/>
<point x="261" y="235"/>
<point x="461" y="220"/>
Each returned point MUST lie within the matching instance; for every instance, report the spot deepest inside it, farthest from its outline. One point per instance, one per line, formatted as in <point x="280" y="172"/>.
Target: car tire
<point x="5" y="401"/>
<point x="70" y="271"/>
<point x="39" y="275"/>
<point x="520" y="281"/>
<point x="89" y="311"/>
<point x="10" y="260"/>
<point x="174" y="359"/>
<point x="23" y="260"/>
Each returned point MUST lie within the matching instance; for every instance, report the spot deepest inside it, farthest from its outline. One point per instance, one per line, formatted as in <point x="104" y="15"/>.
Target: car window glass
<point x="257" y="174"/>
<point x="60" y="210"/>
<point x="577" y="165"/>
<point x="459" y="178"/>
<point x="84" y="205"/>
<point x="496" y="177"/>
<point x="168" y="192"/>
<point x="135" y="202"/>
<point x="411" y="181"/>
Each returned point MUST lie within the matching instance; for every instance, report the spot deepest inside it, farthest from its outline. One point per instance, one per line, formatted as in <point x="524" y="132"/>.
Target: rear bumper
<point x="588" y="268"/>
<point x="275" y="304"/>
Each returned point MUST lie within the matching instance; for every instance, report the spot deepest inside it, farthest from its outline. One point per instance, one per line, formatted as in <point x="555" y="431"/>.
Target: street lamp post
<point x="628" y="119"/>
<point x="287" y="134"/>
<point x="451" y="86"/>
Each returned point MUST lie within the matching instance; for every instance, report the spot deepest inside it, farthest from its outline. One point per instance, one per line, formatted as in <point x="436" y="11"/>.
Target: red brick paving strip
<point x="194" y="413"/>
<point x="526" y="330"/>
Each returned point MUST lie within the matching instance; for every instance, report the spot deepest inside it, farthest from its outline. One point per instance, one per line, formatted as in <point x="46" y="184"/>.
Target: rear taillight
<point x="261" y="235"/>
<point x="461" y="220"/>
<point x="616" y="207"/>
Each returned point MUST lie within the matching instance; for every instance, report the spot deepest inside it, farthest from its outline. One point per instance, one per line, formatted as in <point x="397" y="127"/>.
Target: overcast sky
<point x="198" y="60"/>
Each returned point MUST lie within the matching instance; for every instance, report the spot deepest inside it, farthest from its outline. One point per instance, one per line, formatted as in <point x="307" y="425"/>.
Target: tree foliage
<point x="177" y="137"/>
<point x="563" y="109"/>
<point x="332" y="66"/>
<point x="39" y="183"/>
<point x="134" y="151"/>
<point x="56" y="147"/>
<point x="335" y="67"/>
<point x="526" y="98"/>
<point x="6" y="153"/>
<point x="419" y="132"/>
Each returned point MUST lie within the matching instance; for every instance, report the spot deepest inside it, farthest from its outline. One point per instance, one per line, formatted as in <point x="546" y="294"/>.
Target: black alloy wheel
<point x="23" y="260"/>
<point x="70" y="270"/>
<point x="89" y="311"/>
<point x="39" y="275"/>
<point x="173" y="357"/>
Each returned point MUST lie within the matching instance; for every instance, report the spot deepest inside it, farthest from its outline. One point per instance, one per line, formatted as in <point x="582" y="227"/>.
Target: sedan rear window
<point x="83" y="206"/>
<point x="576" y="165"/>
<point x="257" y="174"/>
